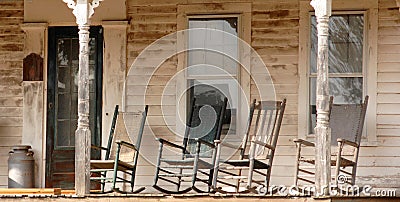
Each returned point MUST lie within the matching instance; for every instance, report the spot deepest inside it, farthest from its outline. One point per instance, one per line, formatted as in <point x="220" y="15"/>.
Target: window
<point x="212" y="68"/>
<point x="353" y="63"/>
<point x="346" y="61"/>
<point x="208" y="82"/>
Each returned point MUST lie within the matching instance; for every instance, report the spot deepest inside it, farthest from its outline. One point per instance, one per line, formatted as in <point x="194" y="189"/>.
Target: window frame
<point x="361" y="75"/>
<point x="369" y="73"/>
<point x="243" y="13"/>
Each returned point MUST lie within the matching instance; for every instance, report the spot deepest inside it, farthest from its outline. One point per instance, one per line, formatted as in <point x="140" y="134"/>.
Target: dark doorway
<point x="62" y="101"/>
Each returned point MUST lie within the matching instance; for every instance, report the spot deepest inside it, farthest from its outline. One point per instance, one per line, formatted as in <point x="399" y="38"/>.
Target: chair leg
<point x="116" y="166"/>
<point x="216" y="167"/>
<point x="338" y="161"/>
<point x="133" y="178"/>
<point x="353" y="175"/>
<point x="178" y="185"/>
<point x="103" y="182"/>
<point x="158" y="163"/>
<point x="296" y="172"/>
<point x="268" y="177"/>
<point x="251" y="165"/>
<point x="211" y="173"/>
<point x="354" y="169"/>
<point x="238" y="181"/>
<point x="210" y="179"/>
<point x="195" y="166"/>
<point x="250" y="175"/>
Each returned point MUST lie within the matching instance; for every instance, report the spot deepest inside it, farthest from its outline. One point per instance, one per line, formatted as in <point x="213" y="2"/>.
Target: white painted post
<point x="323" y="132"/>
<point x="83" y="10"/>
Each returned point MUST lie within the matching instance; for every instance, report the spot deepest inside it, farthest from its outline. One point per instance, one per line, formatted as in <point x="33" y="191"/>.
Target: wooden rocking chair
<point x="194" y="152"/>
<point x="346" y="122"/>
<point x="263" y="136"/>
<point x="101" y="167"/>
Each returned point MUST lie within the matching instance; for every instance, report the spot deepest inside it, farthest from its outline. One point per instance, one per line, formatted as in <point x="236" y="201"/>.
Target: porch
<point x="68" y="196"/>
<point x="276" y="27"/>
<point x="57" y="194"/>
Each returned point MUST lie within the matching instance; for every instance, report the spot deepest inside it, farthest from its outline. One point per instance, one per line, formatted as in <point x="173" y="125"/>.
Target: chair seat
<point x="188" y="162"/>
<point x="109" y="164"/>
<point x="246" y="162"/>
<point x="343" y="163"/>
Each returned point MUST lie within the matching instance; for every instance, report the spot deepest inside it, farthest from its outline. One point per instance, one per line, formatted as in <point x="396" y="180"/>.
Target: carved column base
<point x="322" y="161"/>
<point x="82" y="160"/>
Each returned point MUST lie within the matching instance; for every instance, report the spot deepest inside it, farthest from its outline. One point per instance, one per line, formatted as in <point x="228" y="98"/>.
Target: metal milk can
<point x="21" y="166"/>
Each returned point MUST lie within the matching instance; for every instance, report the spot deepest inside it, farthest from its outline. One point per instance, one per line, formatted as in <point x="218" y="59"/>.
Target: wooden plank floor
<point x="30" y="191"/>
<point x="34" y="198"/>
<point x="56" y="194"/>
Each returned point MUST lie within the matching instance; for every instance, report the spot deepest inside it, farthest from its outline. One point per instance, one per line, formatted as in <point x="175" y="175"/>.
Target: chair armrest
<point x="263" y="144"/>
<point x="348" y="142"/>
<point x="166" y="142"/>
<point x="97" y="147"/>
<point x="204" y="142"/>
<point x="126" y="144"/>
<point x="225" y="144"/>
<point x="304" y="142"/>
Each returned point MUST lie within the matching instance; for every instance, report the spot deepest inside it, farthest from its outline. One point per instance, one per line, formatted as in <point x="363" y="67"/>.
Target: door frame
<point x="69" y="31"/>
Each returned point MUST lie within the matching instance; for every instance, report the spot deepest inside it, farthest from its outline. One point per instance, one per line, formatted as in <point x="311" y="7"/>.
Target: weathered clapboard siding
<point x="380" y="163"/>
<point x="11" y="55"/>
<point x="275" y="35"/>
<point x="388" y="80"/>
<point x="149" y="21"/>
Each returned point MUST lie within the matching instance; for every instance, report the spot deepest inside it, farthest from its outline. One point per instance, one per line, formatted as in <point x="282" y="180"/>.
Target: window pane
<point x="64" y="106"/>
<point x="346" y="32"/>
<point x="214" y="53"/>
<point x="345" y="43"/>
<point x="344" y="90"/>
<point x="212" y="93"/>
<point x="314" y="45"/>
<point x="67" y="89"/>
<point x="63" y="137"/>
<point x="213" y="47"/>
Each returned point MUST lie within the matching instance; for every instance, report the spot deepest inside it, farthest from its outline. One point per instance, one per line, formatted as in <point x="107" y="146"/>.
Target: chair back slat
<point x="257" y="110"/>
<point x="347" y="121"/>
<point x="247" y="133"/>
<point x="269" y="127"/>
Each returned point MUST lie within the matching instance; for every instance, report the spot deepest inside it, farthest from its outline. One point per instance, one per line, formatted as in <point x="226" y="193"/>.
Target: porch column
<point x="83" y="10"/>
<point x="323" y="132"/>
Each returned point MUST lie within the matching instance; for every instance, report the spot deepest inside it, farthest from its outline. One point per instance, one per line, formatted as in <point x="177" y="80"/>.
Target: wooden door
<point x="62" y="101"/>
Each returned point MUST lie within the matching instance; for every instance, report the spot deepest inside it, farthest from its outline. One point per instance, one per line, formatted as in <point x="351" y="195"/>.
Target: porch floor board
<point x="56" y="194"/>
